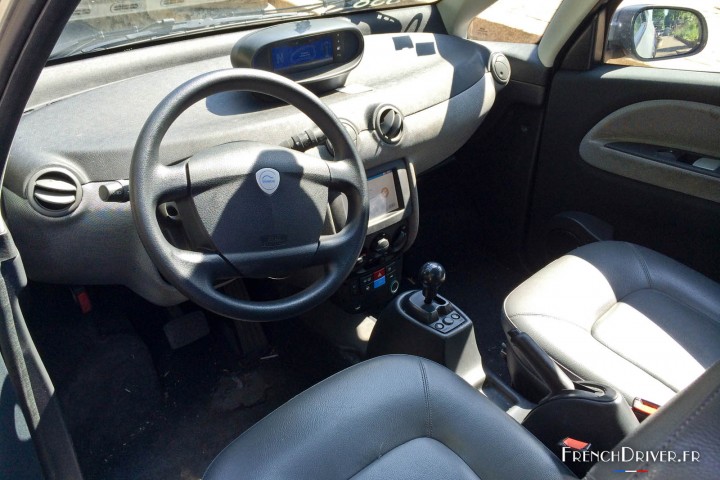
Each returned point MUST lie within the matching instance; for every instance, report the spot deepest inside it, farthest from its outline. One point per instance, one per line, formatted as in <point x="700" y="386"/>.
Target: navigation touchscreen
<point x="382" y="194"/>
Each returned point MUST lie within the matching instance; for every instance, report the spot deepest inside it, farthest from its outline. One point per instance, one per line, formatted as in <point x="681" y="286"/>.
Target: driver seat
<point x="403" y="417"/>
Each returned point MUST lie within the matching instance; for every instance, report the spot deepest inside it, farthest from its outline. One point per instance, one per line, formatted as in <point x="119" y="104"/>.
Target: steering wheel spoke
<point x="204" y="268"/>
<point x="168" y="183"/>
<point x="343" y="177"/>
<point x="272" y="262"/>
<point x="330" y="247"/>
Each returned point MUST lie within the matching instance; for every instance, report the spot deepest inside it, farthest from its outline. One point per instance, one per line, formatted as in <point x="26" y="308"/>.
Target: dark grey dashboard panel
<point x="439" y="82"/>
<point x="59" y="81"/>
<point x="524" y="60"/>
<point x="529" y="76"/>
<point x="98" y="127"/>
<point x="96" y="244"/>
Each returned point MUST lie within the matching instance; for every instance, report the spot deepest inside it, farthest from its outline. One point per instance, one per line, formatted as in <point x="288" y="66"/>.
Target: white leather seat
<point x="623" y="315"/>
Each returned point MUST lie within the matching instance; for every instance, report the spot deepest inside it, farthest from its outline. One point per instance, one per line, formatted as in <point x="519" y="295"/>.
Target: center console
<point x="423" y="323"/>
<point x="571" y="416"/>
<point x="392" y="227"/>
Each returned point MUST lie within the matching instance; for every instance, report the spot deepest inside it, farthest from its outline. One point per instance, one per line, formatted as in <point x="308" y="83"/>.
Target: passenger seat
<point x="623" y="315"/>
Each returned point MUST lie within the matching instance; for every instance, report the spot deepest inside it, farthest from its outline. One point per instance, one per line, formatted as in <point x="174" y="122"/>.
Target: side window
<point x="516" y="21"/>
<point x="684" y="36"/>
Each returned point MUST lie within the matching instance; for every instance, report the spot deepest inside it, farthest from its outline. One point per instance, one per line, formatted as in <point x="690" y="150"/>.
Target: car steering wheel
<point x="254" y="209"/>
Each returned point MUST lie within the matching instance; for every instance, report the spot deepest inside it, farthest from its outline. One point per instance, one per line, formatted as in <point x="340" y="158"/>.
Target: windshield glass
<point x="100" y="24"/>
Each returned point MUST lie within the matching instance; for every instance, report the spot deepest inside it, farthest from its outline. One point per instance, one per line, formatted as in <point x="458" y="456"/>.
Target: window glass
<point x="666" y="38"/>
<point x="100" y="24"/>
<point x="517" y="21"/>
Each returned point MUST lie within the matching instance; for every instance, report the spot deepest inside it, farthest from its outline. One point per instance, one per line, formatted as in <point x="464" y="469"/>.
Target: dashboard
<point x="409" y="102"/>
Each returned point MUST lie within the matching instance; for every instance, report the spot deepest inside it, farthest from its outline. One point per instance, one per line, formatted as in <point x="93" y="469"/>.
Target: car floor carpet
<point x="135" y="407"/>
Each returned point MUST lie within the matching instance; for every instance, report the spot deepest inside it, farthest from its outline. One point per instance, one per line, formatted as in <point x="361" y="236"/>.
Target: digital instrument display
<point x="382" y="194"/>
<point x="316" y="52"/>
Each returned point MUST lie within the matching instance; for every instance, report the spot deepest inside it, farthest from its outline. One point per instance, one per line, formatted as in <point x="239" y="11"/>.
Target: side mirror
<point x="654" y="33"/>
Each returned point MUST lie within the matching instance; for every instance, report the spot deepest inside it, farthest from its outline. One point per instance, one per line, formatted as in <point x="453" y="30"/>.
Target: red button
<point x="575" y="444"/>
<point x="644" y="406"/>
<point x="379" y="274"/>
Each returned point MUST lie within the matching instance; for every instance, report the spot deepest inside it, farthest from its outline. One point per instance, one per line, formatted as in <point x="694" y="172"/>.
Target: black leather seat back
<point x="392" y="417"/>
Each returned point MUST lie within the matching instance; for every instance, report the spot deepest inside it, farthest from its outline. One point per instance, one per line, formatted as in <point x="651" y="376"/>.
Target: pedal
<point x="186" y="329"/>
<point x="253" y="342"/>
<point x="250" y="335"/>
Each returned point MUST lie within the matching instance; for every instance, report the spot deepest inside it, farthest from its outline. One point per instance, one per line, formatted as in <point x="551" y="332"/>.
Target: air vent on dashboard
<point x="54" y="191"/>
<point x="388" y="123"/>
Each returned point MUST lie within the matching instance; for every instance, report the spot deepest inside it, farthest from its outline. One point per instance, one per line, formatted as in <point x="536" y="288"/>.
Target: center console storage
<point x="595" y="415"/>
<point x="572" y="416"/>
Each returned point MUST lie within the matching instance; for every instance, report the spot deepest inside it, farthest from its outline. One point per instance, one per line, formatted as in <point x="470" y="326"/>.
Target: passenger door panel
<point x="669" y="208"/>
<point x="662" y="143"/>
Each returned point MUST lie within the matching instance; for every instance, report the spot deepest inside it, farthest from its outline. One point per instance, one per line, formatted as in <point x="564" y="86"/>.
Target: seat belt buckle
<point x="574" y="444"/>
<point x="643" y="408"/>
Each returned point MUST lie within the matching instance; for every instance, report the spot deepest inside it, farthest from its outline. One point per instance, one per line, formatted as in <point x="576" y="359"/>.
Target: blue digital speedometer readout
<point x="316" y="52"/>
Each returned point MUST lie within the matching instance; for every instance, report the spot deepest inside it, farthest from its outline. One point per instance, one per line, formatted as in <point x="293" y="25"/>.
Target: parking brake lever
<point x="540" y="362"/>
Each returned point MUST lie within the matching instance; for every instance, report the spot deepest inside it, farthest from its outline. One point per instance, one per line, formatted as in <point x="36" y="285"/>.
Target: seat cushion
<point x="623" y="315"/>
<point x="393" y="417"/>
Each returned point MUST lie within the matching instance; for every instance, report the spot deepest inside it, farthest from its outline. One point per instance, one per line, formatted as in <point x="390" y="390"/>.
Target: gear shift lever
<point x="426" y="306"/>
<point x="432" y="275"/>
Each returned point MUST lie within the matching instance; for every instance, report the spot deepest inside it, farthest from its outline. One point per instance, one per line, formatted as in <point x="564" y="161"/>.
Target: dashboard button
<point x="361" y="260"/>
<point x="381" y="245"/>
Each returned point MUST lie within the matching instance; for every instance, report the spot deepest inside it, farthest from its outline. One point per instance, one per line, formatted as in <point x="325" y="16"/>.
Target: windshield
<point x="101" y="24"/>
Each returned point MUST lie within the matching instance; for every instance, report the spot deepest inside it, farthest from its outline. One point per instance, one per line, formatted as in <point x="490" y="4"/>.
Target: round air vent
<point x="388" y="123"/>
<point x="500" y="68"/>
<point x="54" y="191"/>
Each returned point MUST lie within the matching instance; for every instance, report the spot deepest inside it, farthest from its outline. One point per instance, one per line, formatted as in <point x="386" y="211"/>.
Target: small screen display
<point x="316" y="52"/>
<point x="382" y="194"/>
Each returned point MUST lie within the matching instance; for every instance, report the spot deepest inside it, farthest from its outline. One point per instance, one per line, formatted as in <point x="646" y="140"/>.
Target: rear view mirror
<point x="654" y="33"/>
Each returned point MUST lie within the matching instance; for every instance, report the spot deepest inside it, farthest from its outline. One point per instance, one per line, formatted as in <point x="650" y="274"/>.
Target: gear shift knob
<point x="432" y="275"/>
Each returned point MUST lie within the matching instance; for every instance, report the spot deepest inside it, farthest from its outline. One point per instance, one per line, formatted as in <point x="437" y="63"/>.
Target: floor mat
<point x="182" y="437"/>
<point x="135" y="407"/>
